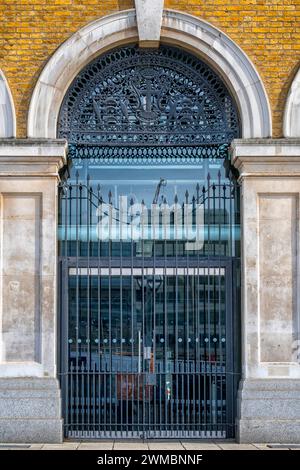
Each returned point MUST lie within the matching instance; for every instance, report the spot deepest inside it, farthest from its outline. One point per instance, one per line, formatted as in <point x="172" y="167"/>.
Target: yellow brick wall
<point x="267" y="30"/>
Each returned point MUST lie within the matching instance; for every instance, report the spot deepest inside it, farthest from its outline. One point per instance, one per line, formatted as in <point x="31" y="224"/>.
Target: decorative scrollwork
<point x="147" y="97"/>
<point x="147" y="155"/>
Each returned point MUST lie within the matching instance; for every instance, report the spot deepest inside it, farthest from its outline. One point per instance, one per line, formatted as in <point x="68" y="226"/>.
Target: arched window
<point x="149" y="241"/>
<point x="133" y="96"/>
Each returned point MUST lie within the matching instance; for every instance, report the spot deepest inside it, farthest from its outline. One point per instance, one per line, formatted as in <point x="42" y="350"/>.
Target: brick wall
<point x="267" y="30"/>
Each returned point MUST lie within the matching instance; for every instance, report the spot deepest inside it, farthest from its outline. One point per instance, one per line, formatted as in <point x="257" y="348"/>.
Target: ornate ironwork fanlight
<point x="147" y="97"/>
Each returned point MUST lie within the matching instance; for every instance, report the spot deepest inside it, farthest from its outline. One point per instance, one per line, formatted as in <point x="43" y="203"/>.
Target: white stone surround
<point x="28" y="190"/>
<point x="30" y="402"/>
<point x="180" y="29"/>
<point x="269" y="395"/>
<point x="291" y="121"/>
<point x="7" y="110"/>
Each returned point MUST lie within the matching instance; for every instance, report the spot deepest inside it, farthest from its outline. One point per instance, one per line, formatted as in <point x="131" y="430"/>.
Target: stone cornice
<point x="266" y="157"/>
<point x="32" y="157"/>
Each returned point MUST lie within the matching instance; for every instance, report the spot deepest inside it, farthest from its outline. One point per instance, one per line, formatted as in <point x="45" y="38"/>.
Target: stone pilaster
<point x="269" y="394"/>
<point x="29" y="390"/>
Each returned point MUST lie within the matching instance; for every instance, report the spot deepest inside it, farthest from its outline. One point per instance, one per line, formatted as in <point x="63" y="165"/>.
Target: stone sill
<point x="265" y="148"/>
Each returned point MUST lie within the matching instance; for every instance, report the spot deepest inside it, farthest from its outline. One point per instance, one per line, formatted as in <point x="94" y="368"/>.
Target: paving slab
<point x="283" y="446"/>
<point x="200" y="445"/>
<point x="64" y="446"/>
<point x="175" y="445"/>
<point x="235" y="446"/>
<point x="14" y="447"/>
<point x="96" y="445"/>
<point x="265" y="447"/>
<point x="136" y="445"/>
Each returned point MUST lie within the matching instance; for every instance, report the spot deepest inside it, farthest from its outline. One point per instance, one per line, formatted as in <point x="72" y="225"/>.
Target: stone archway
<point x="178" y="28"/>
<point x="291" y="123"/>
<point x="7" y="114"/>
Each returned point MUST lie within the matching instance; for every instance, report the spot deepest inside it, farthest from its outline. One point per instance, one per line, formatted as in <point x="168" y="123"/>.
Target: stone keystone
<point x="149" y="19"/>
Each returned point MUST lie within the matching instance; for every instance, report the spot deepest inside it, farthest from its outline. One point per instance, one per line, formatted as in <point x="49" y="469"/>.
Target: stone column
<point x="30" y="404"/>
<point x="269" y="393"/>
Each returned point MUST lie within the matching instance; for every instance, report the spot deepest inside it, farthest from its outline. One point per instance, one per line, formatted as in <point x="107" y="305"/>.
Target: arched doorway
<point x="149" y="248"/>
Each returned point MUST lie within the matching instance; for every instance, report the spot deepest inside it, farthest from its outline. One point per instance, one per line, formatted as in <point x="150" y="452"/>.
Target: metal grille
<point x="148" y="322"/>
<point x="157" y="96"/>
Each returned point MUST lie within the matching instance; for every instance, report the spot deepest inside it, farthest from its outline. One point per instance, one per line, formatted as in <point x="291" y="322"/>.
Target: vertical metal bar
<point x="214" y="215"/>
<point x="214" y="381"/>
<point x="70" y="199"/>
<point x="105" y="373"/>
<point x="153" y="410"/>
<point x="94" y="398"/>
<point x="81" y="231"/>
<point x="231" y="226"/>
<point x="183" y="376"/>
<point x="143" y="287"/>
<point x="99" y="320"/>
<point x="139" y="352"/>
<point x="149" y="427"/>
<point x="71" y="401"/>
<point x="219" y="214"/>
<point x="205" y="358"/>
<point x="140" y="381"/>
<point x="77" y="299"/>
<point x="236" y="340"/>
<point x="110" y="311"/>
<point x="83" y="397"/>
<point x="66" y="221"/>
<point x="80" y="313"/>
<point x="127" y="397"/>
<point x="165" y="367"/>
<point x="121" y="218"/>
<point x="88" y="305"/>
<point x="229" y="350"/>
<point x="219" y="336"/>
<point x="133" y="371"/>
<point x="176" y="358"/>
<point x="199" y="409"/>
<point x="139" y="384"/>
<point x="197" y="345"/>
<point x="225" y="223"/>
<point x="65" y="336"/>
<point x="193" y="338"/>
<point x="199" y="336"/>
<point x="187" y="319"/>
<point x="208" y="300"/>
<point x="159" y="374"/>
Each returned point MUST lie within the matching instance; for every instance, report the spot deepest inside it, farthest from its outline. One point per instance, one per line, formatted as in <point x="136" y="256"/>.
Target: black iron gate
<point x="148" y="249"/>
<point x="147" y="308"/>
